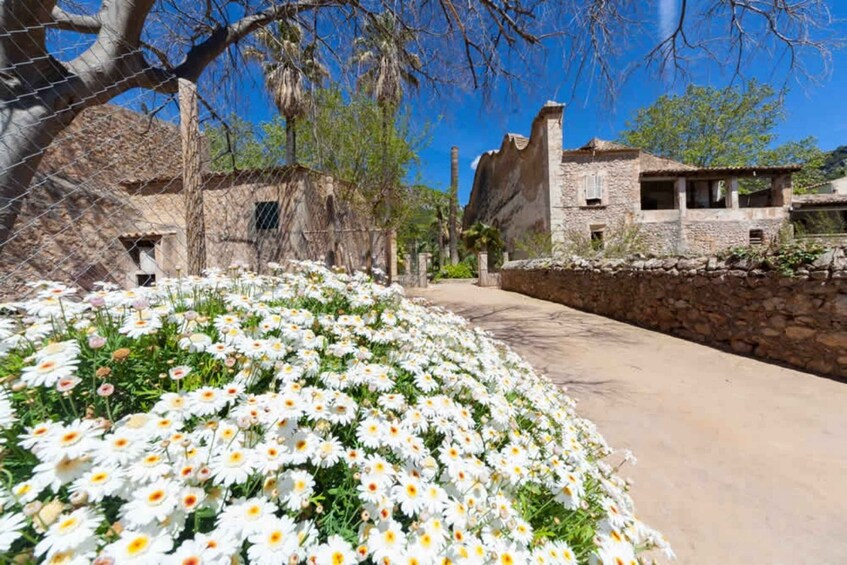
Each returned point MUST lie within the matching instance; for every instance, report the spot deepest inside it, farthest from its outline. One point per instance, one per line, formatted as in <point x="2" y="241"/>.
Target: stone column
<point x="732" y="194"/>
<point x="781" y="190"/>
<point x="391" y="247"/>
<point x="423" y="259"/>
<point x="681" y="204"/>
<point x="407" y="260"/>
<point x="679" y="200"/>
<point x="505" y="257"/>
<point x="482" y="268"/>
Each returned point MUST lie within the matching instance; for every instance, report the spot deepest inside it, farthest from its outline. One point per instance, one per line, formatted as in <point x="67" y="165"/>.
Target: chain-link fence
<point x="94" y="190"/>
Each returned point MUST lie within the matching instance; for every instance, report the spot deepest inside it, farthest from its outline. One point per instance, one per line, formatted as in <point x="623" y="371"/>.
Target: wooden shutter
<point x="593" y="187"/>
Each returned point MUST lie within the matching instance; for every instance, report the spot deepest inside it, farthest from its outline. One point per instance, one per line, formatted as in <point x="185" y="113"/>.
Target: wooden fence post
<point x="192" y="178"/>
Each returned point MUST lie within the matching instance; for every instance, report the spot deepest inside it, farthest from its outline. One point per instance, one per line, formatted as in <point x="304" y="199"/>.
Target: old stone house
<point x="106" y="204"/>
<point x="534" y="186"/>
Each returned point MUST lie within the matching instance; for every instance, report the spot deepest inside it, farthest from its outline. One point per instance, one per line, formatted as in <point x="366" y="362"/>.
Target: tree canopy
<point x="345" y="136"/>
<point x="714" y="127"/>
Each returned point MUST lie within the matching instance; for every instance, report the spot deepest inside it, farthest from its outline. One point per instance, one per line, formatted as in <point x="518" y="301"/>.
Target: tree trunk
<point x="27" y="131"/>
<point x="441" y="252"/>
<point x="454" y="204"/>
<point x="192" y="180"/>
<point x="291" y="140"/>
<point x="388" y="194"/>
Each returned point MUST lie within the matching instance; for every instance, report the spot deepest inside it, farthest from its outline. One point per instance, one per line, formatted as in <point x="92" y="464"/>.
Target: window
<point x="593" y="189"/>
<point x="597" y="237"/>
<point x="266" y="215"/>
<point x="757" y="237"/>
<point x="145" y="279"/>
<point x="143" y="254"/>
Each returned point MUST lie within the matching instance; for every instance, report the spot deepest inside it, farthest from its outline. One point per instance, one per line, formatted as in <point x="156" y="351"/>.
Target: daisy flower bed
<point x="300" y="417"/>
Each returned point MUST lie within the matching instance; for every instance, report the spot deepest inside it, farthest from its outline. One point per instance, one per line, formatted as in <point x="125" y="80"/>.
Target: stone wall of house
<point x="314" y="220"/>
<point x="512" y="185"/>
<point x="621" y="192"/>
<point x="75" y="211"/>
<point x="661" y="235"/>
<point x="113" y="178"/>
<point x="799" y="320"/>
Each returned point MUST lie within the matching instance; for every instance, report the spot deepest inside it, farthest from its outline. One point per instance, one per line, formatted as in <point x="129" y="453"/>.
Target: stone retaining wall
<point x="799" y="320"/>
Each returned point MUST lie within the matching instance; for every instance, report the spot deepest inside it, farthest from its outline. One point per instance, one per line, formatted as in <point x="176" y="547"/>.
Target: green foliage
<point x="805" y="152"/>
<point x="707" y="126"/>
<point x="242" y="145"/>
<point x="711" y="127"/>
<point x="620" y="240"/>
<point x="458" y="271"/>
<point x="820" y="222"/>
<point x="785" y="256"/>
<point x="482" y="237"/>
<point x="419" y="229"/>
<point x="345" y="136"/>
<point x="535" y="244"/>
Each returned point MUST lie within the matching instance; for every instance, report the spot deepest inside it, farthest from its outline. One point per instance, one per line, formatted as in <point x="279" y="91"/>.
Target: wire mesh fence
<point x="96" y="191"/>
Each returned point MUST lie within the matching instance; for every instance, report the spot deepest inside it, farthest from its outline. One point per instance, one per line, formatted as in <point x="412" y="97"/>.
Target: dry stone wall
<point x="798" y="320"/>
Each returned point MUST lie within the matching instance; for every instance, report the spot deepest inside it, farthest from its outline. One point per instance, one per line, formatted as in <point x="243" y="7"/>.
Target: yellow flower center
<point x="138" y="545"/>
<point x="68" y="524"/>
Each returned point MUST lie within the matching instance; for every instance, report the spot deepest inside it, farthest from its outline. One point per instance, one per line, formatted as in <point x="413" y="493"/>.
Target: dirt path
<point x="738" y="461"/>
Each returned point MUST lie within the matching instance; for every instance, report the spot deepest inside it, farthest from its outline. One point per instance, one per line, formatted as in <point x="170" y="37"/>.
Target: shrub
<point x="619" y="241"/>
<point x="785" y="255"/>
<point x="300" y="417"/>
<point x="458" y="271"/>
<point x="535" y="244"/>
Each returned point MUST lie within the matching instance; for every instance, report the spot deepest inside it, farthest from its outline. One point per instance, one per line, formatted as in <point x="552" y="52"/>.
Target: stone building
<point x="106" y="205"/>
<point x="534" y="186"/>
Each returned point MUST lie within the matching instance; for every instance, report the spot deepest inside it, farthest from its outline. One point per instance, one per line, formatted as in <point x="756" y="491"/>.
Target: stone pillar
<point x="732" y="194"/>
<point x="781" y="190"/>
<point x="482" y="268"/>
<point x="679" y="200"/>
<point x="423" y="259"/>
<point x="681" y="204"/>
<point x="391" y="267"/>
<point x="505" y="257"/>
<point x="407" y="260"/>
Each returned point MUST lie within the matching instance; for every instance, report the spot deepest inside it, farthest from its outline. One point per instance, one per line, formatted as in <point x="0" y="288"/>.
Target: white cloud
<point x="667" y="18"/>
<point x="475" y="162"/>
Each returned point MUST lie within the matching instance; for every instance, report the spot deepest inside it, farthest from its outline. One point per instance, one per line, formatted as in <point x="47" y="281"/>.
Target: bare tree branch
<point x="80" y="23"/>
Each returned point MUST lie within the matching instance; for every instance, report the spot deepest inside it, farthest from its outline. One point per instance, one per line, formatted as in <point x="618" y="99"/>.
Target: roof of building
<point x="213" y="180"/>
<point x="813" y="200"/>
<point x="713" y="172"/>
<point x="595" y="145"/>
<point x="520" y="141"/>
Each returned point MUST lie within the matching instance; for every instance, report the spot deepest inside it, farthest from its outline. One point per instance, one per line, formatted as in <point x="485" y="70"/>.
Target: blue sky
<point x="819" y="110"/>
<point x="812" y="109"/>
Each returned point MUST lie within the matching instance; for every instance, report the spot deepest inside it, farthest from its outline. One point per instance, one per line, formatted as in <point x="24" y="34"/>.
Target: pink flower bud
<point x="96" y="341"/>
<point x="191" y="315"/>
<point x="105" y="390"/>
<point x="141" y="304"/>
<point x="97" y="301"/>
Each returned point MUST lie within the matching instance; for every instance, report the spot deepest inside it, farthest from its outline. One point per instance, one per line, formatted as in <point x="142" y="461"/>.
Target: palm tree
<point x="483" y="237"/>
<point x="288" y="68"/>
<point x="386" y="69"/>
